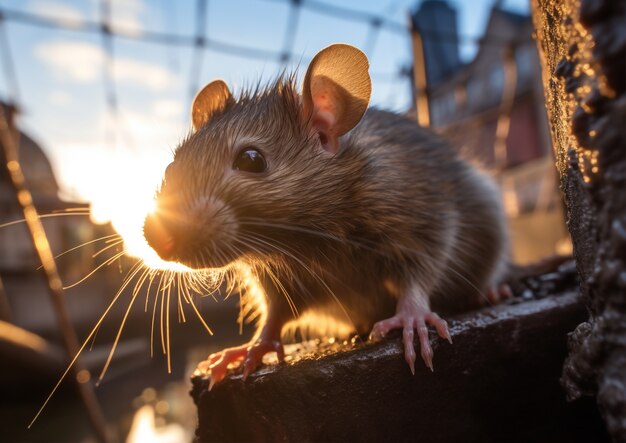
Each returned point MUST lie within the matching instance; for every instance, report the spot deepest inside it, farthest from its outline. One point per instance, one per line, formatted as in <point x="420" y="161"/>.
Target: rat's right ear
<point x="336" y="92"/>
<point x="213" y="98"/>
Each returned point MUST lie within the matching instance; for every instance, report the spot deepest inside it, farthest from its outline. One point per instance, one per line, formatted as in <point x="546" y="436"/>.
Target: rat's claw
<point x="382" y="327"/>
<point x="256" y="353"/>
<point x="409" y="349"/>
<point x="249" y="366"/>
<point x="410" y="320"/>
<point x="251" y="354"/>
<point x="440" y="325"/>
<point x="426" y="350"/>
<point x="217" y="364"/>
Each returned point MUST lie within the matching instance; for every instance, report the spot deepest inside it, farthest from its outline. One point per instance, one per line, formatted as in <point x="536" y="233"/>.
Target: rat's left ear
<point x="336" y="92"/>
<point x="213" y="98"/>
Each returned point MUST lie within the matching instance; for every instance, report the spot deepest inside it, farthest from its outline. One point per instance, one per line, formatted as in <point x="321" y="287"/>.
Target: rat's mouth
<point x="210" y="259"/>
<point x="197" y="237"/>
<point x="186" y="247"/>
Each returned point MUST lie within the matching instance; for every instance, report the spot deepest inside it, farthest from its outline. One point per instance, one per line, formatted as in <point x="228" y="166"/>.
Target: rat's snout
<point x="158" y="236"/>
<point x="193" y="235"/>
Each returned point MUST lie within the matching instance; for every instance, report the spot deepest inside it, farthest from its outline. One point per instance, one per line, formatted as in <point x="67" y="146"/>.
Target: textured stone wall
<point x="583" y="49"/>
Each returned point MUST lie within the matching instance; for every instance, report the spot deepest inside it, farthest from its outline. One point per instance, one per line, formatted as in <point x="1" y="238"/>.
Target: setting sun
<point x="123" y="197"/>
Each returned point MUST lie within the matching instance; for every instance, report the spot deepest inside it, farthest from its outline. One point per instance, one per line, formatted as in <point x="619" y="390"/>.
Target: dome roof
<point x="35" y="165"/>
<point x="37" y="168"/>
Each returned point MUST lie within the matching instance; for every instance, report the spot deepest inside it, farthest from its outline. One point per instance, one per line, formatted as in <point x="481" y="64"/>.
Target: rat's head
<point x="263" y="171"/>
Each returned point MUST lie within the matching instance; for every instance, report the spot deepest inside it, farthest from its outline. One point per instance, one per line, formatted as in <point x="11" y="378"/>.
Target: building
<point x="437" y="20"/>
<point x="468" y="101"/>
<point x="493" y="109"/>
<point x="17" y="254"/>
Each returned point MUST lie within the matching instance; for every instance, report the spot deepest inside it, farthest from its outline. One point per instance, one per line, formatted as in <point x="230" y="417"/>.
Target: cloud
<point x="83" y="62"/>
<point x="77" y="61"/>
<point x="126" y="14"/>
<point x="168" y="108"/>
<point x="59" y="12"/>
<point x="60" y="98"/>
<point x="141" y="73"/>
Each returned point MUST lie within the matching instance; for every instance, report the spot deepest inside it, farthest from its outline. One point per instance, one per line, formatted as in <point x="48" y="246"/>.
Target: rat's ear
<point x="211" y="99"/>
<point x="336" y="92"/>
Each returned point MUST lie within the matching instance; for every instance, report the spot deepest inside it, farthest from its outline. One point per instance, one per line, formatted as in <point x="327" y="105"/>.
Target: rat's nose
<point x="158" y="237"/>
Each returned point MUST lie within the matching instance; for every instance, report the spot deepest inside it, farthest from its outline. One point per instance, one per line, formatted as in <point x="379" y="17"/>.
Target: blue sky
<point x="63" y="98"/>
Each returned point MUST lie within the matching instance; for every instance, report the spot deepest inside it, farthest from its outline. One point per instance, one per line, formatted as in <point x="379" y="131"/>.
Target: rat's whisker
<point x="156" y="300"/>
<point x="44" y="216"/>
<point x="112" y="245"/>
<point x="80" y="350"/>
<point x="266" y="268"/>
<point x="247" y="221"/>
<point x="279" y="285"/>
<point x="134" y="271"/>
<point x="153" y="274"/>
<point x="115" y="236"/>
<point x="71" y="210"/>
<point x="107" y="262"/>
<point x="167" y="330"/>
<point x="262" y="223"/>
<point x="181" y="311"/>
<point x="164" y="291"/>
<point x="313" y="274"/>
<point x="195" y="309"/>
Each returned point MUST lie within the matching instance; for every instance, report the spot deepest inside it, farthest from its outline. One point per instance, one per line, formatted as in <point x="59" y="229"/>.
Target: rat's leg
<point x="413" y="313"/>
<point x="267" y="340"/>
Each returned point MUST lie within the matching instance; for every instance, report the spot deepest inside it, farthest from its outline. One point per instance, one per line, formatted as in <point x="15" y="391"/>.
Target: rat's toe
<point x="426" y="349"/>
<point x="413" y="318"/>
<point x="440" y="325"/>
<point x="409" y="347"/>
<point x="381" y="328"/>
<point x="256" y="352"/>
<point x="216" y="365"/>
<point x="496" y="294"/>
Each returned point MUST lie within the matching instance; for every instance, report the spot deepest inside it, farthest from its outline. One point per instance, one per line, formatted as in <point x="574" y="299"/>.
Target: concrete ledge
<point x="499" y="381"/>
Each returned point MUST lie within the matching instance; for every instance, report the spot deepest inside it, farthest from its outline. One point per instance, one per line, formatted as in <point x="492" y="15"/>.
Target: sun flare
<point x="124" y="199"/>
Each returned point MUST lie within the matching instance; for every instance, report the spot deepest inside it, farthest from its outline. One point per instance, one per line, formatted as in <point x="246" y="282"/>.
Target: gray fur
<point x="344" y="234"/>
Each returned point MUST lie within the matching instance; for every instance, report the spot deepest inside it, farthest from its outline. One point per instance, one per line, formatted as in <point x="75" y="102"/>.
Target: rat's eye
<point x="250" y="160"/>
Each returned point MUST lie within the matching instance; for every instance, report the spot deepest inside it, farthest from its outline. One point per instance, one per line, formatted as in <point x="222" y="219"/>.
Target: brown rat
<point x="326" y="210"/>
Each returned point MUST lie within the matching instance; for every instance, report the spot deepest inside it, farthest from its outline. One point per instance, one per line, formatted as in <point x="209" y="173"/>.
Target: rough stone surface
<point x="497" y="382"/>
<point x="583" y="46"/>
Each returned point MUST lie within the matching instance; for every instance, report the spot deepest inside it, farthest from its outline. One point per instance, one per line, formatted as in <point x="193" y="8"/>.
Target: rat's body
<point x="405" y="208"/>
<point x="371" y="228"/>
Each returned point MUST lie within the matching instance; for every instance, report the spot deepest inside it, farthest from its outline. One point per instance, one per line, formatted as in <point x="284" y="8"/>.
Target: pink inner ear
<point x="324" y="120"/>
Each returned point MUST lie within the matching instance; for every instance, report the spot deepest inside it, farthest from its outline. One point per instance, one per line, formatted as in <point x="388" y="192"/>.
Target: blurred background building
<point x="492" y="108"/>
<point x="17" y="254"/>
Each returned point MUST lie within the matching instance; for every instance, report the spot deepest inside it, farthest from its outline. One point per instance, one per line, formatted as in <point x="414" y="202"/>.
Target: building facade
<point x="492" y="108"/>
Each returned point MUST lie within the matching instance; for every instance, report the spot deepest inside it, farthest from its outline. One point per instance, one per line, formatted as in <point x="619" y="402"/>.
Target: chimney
<point x="436" y="21"/>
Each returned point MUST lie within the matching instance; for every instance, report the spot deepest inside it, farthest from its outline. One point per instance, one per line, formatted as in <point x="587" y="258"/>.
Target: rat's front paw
<point x="410" y="319"/>
<point x="257" y="351"/>
<point x="251" y="354"/>
<point x="217" y="364"/>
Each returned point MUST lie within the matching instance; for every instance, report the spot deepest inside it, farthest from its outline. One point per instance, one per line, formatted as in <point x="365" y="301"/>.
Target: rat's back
<point x="431" y="203"/>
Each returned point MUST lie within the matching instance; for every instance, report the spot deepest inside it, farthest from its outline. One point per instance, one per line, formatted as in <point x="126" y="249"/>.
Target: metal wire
<point x="8" y="62"/>
<point x="196" y="62"/>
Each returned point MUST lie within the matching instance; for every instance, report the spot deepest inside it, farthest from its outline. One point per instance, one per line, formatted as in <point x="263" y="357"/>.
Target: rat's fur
<point x="339" y="235"/>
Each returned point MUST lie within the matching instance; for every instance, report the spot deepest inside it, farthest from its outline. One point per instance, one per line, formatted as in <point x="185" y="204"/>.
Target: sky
<point x="62" y="94"/>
